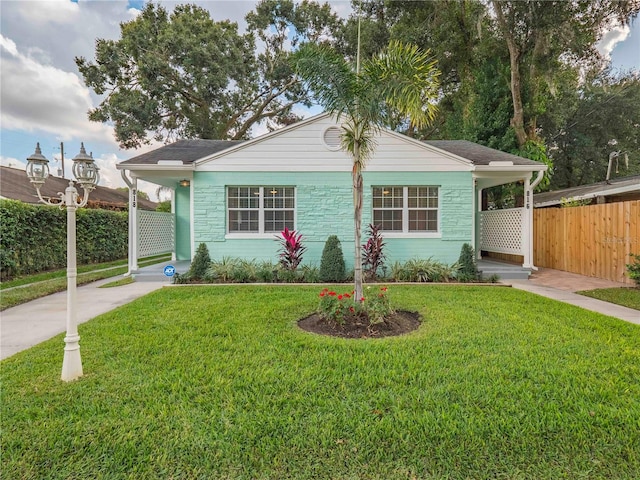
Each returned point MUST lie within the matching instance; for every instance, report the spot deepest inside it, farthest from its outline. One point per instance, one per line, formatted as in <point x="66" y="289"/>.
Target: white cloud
<point x="12" y="162"/>
<point x="38" y="97"/>
<point x="610" y="39"/>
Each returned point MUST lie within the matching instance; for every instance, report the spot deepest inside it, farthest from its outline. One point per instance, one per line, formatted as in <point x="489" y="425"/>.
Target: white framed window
<point x="259" y="210"/>
<point x="407" y="210"/>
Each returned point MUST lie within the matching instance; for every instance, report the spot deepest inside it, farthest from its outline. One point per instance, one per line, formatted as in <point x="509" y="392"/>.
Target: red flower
<point x="339" y="297"/>
<point x="333" y="294"/>
<point x="322" y="294"/>
<point x="362" y="299"/>
<point x="384" y="289"/>
<point x="346" y="295"/>
<point x="352" y="310"/>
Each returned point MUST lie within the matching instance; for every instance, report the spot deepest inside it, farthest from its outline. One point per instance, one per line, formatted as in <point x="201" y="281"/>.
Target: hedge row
<point x="34" y="238"/>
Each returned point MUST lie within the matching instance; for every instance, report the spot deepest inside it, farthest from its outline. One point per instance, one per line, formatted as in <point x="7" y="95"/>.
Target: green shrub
<point x="266" y="272"/>
<point x="310" y="274"/>
<point x="633" y="268"/>
<point x="34" y="237"/>
<point x="422" y="270"/>
<point x="201" y="263"/>
<point x="332" y="267"/>
<point x="467" y="267"/>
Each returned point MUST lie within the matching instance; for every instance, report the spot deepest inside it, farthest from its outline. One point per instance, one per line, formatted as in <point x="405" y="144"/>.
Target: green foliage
<point x="468" y="268"/>
<point x="332" y="266"/>
<point x="164" y="206"/>
<point x="180" y="74"/>
<point x="571" y="202"/>
<point x="633" y="268"/>
<point x="423" y="270"/>
<point x="344" y="308"/>
<point x="34" y="237"/>
<point x="200" y="263"/>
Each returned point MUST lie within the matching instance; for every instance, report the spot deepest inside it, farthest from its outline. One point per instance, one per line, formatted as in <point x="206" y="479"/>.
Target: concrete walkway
<point x="28" y="324"/>
<point x="562" y="286"/>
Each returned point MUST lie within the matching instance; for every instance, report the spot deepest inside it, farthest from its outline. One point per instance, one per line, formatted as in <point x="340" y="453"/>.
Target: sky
<point x="43" y="98"/>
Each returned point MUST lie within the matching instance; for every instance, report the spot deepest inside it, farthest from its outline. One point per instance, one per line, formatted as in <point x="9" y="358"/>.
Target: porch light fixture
<point x="185" y="183"/>
<point x="86" y="173"/>
<point x="273" y="192"/>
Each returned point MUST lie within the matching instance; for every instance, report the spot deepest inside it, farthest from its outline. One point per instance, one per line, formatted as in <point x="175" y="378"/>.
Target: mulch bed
<point x="399" y="323"/>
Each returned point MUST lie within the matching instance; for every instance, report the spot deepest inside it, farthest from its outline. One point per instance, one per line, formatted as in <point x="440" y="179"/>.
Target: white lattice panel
<point x="155" y="233"/>
<point x="501" y="231"/>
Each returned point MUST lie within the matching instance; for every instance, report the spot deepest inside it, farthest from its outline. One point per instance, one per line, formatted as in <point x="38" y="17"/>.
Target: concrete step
<point x="503" y="270"/>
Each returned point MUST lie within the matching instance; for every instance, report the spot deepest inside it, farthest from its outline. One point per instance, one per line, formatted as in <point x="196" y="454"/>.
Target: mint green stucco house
<point x="236" y="196"/>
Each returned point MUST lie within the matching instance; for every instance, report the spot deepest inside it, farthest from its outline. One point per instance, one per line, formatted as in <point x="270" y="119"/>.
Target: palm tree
<point x="397" y="84"/>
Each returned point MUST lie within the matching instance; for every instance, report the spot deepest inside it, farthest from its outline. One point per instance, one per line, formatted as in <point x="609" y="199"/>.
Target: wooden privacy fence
<point x="594" y="240"/>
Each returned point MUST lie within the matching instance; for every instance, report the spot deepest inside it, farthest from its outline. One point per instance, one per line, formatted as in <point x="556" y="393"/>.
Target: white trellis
<point x="501" y="231"/>
<point x="155" y="233"/>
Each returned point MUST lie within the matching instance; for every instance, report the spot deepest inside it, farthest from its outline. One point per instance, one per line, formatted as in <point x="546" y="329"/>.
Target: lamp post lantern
<point x="86" y="173"/>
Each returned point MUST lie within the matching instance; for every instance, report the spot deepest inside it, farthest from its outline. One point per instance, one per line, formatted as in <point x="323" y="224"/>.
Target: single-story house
<point x="616" y="190"/>
<point x="236" y="196"/>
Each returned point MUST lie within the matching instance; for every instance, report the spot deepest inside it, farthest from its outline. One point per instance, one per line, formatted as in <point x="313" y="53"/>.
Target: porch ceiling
<point x="162" y="177"/>
<point x="491" y="179"/>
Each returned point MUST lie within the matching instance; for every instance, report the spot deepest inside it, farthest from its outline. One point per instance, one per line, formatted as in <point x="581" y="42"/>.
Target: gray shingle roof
<point x="478" y="154"/>
<point x="187" y="151"/>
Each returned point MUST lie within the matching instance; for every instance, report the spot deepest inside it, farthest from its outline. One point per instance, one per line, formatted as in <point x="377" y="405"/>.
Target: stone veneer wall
<point x="324" y="206"/>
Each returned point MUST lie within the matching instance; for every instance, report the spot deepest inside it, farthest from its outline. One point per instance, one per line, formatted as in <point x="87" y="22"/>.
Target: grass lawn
<point x="627" y="297"/>
<point x="30" y="287"/>
<point x="218" y="383"/>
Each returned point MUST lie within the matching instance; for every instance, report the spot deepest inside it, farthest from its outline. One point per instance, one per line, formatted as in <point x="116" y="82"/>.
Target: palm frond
<point x="407" y="79"/>
<point x="328" y="76"/>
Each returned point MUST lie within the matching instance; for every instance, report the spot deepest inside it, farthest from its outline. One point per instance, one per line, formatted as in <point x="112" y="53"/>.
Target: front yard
<point x="219" y="383"/>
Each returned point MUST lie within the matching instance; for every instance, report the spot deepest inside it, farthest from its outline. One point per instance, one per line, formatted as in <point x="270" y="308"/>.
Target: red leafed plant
<point x="291" y="249"/>
<point x="373" y="256"/>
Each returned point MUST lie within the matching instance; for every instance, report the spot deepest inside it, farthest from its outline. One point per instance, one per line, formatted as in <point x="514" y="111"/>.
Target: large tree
<point x="401" y="81"/>
<point x="593" y="121"/>
<point x="181" y="74"/>
<point x="543" y="37"/>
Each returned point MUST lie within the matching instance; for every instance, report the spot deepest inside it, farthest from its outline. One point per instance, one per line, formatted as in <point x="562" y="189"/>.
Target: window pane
<point x="423" y="220"/>
<point x="390" y="220"/>
<point x="243" y="221"/>
<point x="276" y="220"/>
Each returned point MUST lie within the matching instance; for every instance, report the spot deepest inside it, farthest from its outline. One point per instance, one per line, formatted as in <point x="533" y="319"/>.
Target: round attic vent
<point x="331" y="138"/>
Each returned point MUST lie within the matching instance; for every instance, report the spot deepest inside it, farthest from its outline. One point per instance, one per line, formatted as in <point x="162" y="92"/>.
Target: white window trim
<point x="261" y="209"/>
<point x="405" y="233"/>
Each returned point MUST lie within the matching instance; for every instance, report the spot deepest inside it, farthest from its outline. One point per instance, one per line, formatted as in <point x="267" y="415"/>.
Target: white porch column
<point x="478" y="228"/>
<point x="527" y="225"/>
<point x="133" y="223"/>
<point x="173" y="212"/>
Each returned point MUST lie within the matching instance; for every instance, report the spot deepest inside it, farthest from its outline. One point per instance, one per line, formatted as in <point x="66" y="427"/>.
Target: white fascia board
<point x="509" y="169"/>
<point x="259" y="139"/>
<point x="590" y="195"/>
<point x="155" y="167"/>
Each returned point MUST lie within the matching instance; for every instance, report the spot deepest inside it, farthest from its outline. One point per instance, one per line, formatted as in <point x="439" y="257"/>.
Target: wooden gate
<point x="593" y="240"/>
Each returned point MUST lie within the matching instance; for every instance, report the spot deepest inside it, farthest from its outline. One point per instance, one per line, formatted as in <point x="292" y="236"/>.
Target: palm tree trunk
<point x="357" y="220"/>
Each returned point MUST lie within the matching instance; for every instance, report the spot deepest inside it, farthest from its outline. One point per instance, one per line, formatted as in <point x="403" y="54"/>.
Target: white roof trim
<point x="155" y="167"/>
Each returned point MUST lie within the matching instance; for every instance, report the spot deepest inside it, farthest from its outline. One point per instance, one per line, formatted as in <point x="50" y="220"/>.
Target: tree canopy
<point x="184" y="75"/>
